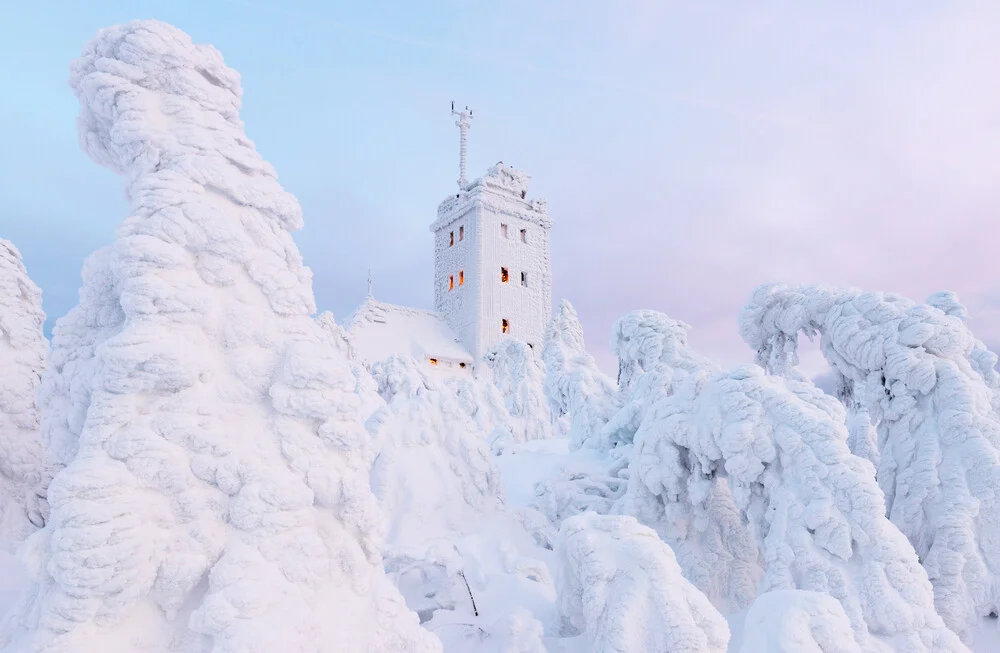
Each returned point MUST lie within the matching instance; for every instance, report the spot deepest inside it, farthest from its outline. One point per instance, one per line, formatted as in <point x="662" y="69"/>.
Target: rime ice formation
<point x="931" y="387"/>
<point x="216" y="496"/>
<point x="492" y="269"/>
<point x="452" y="543"/>
<point x="573" y="383"/>
<point x="518" y="374"/>
<point x="24" y="472"/>
<point x="621" y="586"/>
<point x="814" y="508"/>
<point x="796" y="621"/>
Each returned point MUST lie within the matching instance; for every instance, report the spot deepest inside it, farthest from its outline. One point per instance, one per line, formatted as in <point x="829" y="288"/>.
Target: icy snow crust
<point x="932" y="389"/>
<point x="24" y="472"/>
<point x="216" y="491"/>
<point x="620" y="584"/>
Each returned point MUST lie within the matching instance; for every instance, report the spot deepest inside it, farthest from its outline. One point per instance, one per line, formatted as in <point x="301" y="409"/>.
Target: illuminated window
<point x="461" y="232"/>
<point x="524" y="235"/>
<point x="503" y="230"/>
<point x="451" y="282"/>
<point x="504" y="275"/>
<point x="524" y="279"/>
<point x="434" y="361"/>
<point x="451" y="239"/>
<point x="505" y="325"/>
<point x="462" y="365"/>
<point x="461" y="277"/>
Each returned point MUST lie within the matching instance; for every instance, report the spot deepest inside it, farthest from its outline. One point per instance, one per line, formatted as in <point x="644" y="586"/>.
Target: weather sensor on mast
<point x="463" y="124"/>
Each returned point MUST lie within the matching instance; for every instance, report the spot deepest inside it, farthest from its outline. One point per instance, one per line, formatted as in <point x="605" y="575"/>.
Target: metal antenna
<point x="370" y="282"/>
<point x="463" y="125"/>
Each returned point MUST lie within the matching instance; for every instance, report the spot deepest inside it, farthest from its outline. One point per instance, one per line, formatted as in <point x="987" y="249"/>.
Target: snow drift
<point x="621" y="586"/>
<point x="796" y="621"/>
<point x="931" y="386"/>
<point x="24" y="472"/>
<point x="216" y="493"/>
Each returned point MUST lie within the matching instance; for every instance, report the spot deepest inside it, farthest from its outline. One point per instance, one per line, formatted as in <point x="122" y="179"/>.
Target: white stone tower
<point x="492" y="270"/>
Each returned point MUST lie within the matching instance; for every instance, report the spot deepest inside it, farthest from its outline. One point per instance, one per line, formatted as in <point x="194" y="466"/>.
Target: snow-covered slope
<point x="933" y="390"/>
<point x="216" y="491"/>
<point x="24" y="472"/>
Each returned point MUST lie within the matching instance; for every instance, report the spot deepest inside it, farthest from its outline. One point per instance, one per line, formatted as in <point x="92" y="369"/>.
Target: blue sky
<point x="689" y="151"/>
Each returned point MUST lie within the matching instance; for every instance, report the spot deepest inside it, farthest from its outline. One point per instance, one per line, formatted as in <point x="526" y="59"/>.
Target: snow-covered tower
<point x="492" y="270"/>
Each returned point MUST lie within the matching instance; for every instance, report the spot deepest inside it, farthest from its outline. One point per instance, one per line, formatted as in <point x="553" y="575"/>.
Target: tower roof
<point x="503" y="189"/>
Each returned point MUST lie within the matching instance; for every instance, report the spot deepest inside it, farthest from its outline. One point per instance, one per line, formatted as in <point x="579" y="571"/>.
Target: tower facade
<point x="492" y="269"/>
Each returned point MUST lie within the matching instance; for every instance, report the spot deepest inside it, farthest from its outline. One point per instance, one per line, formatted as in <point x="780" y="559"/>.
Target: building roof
<point x="379" y="330"/>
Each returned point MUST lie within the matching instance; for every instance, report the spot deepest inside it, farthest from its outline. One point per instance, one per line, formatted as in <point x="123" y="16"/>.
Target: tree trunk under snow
<point x="24" y="472"/>
<point x="216" y="491"/>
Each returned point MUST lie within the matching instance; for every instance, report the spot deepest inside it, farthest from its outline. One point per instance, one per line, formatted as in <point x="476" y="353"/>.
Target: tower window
<point x="503" y="230"/>
<point x="504" y="275"/>
<point x="434" y="361"/>
<point x="451" y="282"/>
<point x="504" y="325"/>
<point x="461" y="232"/>
<point x="451" y="239"/>
<point x="461" y="277"/>
<point x="524" y="279"/>
<point x="524" y="235"/>
<point x="462" y="365"/>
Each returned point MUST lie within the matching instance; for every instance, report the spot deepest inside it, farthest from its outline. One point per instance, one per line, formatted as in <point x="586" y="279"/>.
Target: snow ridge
<point x="931" y="387"/>
<point x="24" y="472"/>
<point x="216" y="494"/>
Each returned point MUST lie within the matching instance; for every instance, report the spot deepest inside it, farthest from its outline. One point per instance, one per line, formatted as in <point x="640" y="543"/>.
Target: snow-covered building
<point x="492" y="276"/>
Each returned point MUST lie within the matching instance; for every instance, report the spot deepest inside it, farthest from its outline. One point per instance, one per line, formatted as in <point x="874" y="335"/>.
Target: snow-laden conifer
<point x="931" y="387"/>
<point x="519" y="376"/>
<point x="216" y="495"/>
<point x="797" y="621"/>
<point x="24" y="469"/>
<point x="574" y="385"/>
<point x="620" y="586"/>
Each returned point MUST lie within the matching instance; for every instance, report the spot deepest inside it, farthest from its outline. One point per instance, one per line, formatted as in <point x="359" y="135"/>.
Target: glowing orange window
<point x="451" y="282"/>
<point x="505" y="325"/>
<point x="461" y="277"/>
<point x="451" y="239"/>
<point x="504" y="275"/>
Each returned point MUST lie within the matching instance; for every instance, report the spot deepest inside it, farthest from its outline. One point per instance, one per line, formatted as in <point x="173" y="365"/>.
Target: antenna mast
<point x="463" y="124"/>
<point x="369" y="282"/>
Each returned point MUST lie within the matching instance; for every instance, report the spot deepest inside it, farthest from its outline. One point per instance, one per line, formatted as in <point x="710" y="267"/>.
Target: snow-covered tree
<point x="216" y="496"/>
<point x="364" y="385"/>
<point x="620" y="586"/>
<point x="815" y="509"/>
<point x="24" y="471"/>
<point x="574" y="385"/>
<point x="452" y="542"/>
<point x="796" y="621"/>
<point x="518" y="374"/>
<point x="931" y="387"/>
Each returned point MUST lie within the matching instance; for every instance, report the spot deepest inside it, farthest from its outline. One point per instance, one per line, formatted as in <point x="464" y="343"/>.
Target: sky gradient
<point x="687" y="153"/>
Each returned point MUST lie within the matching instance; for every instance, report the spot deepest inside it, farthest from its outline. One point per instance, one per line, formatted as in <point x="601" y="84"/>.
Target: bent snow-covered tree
<point x="216" y="495"/>
<point x="574" y="385"/>
<point x="24" y="471"/>
<point x="815" y="509"/>
<point x="620" y="586"/>
<point x="699" y="518"/>
<point x="931" y="387"/>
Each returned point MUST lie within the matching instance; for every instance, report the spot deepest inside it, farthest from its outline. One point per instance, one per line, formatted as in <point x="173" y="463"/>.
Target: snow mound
<point x="621" y="586"/>
<point x="24" y="472"/>
<point x="574" y="385"/>
<point x="932" y="389"/>
<point x="815" y="509"/>
<point x="519" y="376"/>
<point x="216" y="496"/>
<point x="796" y="621"/>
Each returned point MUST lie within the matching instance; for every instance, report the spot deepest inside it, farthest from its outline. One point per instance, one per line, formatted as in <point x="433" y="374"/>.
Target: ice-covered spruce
<point x="216" y="493"/>
<point x="932" y="389"/>
<point x="24" y="470"/>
